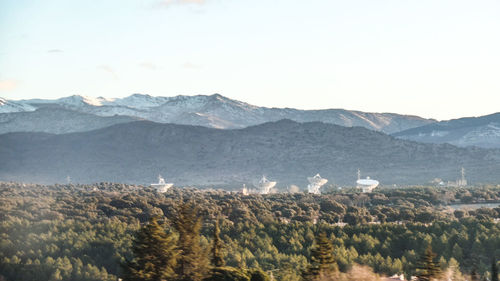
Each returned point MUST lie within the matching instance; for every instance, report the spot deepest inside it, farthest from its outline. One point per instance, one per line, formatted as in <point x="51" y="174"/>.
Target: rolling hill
<point x="481" y="131"/>
<point x="285" y="151"/>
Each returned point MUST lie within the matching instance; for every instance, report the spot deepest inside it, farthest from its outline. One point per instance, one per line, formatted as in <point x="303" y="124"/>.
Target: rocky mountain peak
<point x="215" y="111"/>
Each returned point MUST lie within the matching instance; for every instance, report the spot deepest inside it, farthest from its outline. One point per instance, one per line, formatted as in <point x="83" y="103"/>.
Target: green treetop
<point x="494" y="270"/>
<point x="155" y="254"/>
<point x="217" y="255"/>
<point x="428" y="268"/>
<point x="192" y="262"/>
<point x="323" y="265"/>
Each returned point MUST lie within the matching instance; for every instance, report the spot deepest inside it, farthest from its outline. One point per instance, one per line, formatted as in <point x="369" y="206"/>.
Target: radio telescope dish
<point x="161" y="186"/>
<point x="367" y="185"/>
<point x="264" y="186"/>
<point x="315" y="183"/>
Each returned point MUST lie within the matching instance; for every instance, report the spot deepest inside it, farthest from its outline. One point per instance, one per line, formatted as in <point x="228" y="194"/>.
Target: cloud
<point x="8" y="85"/>
<point x="168" y="3"/>
<point x="55" y="51"/>
<point x="148" y="65"/>
<point x="109" y="70"/>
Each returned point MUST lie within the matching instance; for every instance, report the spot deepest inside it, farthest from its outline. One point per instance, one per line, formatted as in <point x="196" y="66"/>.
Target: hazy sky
<point x="431" y="58"/>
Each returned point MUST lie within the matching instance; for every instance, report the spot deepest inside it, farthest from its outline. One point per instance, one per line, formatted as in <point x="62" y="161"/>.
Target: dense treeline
<point x="80" y="232"/>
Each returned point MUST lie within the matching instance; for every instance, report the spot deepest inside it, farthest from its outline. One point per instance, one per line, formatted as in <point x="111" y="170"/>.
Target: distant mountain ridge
<point x="214" y="111"/>
<point x="285" y="151"/>
<point x="7" y="106"/>
<point x="58" y="120"/>
<point x="481" y="131"/>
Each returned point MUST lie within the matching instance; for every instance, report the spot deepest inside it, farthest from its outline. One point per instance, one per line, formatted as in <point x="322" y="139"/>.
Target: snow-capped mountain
<point x="136" y="101"/>
<point x="481" y="131"/>
<point x="214" y="111"/>
<point x="7" y="106"/>
<point x="71" y="101"/>
<point x="57" y="120"/>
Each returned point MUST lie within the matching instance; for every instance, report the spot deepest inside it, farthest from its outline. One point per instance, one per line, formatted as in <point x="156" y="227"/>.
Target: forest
<point x="93" y="232"/>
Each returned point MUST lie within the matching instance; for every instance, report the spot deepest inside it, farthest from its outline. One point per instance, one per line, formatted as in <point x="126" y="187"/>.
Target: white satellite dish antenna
<point x="264" y="186"/>
<point x="161" y="186"/>
<point x="315" y="183"/>
<point x="367" y="185"/>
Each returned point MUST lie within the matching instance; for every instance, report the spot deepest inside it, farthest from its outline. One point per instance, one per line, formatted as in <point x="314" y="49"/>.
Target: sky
<point x="433" y="58"/>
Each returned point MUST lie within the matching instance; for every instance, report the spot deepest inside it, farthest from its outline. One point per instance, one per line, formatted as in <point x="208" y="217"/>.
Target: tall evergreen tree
<point x="428" y="268"/>
<point x="217" y="255"/>
<point x="259" y="275"/>
<point x="192" y="264"/>
<point x="494" y="270"/>
<point x="474" y="276"/>
<point x="155" y="254"/>
<point x="323" y="265"/>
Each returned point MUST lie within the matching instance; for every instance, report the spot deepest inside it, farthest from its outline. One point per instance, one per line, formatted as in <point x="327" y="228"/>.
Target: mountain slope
<point x="54" y="119"/>
<point x="285" y="151"/>
<point x="481" y="131"/>
<point x="216" y="111"/>
<point x="7" y="106"/>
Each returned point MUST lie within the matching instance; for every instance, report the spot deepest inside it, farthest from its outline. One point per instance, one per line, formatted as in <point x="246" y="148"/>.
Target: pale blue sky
<point x="431" y="58"/>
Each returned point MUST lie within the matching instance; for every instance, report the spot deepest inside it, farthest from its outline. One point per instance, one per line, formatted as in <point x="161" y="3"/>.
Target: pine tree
<point x="494" y="270"/>
<point x="453" y="271"/>
<point x="474" y="276"/>
<point x="323" y="265"/>
<point x="217" y="255"/>
<point x="155" y="254"/>
<point x="428" y="268"/>
<point x="192" y="262"/>
<point x="259" y="275"/>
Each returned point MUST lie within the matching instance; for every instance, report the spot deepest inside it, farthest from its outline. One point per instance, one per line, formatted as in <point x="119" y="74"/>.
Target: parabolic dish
<point x="317" y="181"/>
<point x="367" y="182"/>
<point x="267" y="185"/>
<point x="167" y="185"/>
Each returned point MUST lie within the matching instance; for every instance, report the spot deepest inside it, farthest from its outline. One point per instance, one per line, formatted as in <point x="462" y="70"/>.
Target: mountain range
<point x="58" y="120"/>
<point x="214" y="111"/>
<point x="481" y="131"/>
<point x="285" y="151"/>
<point x="216" y="141"/>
